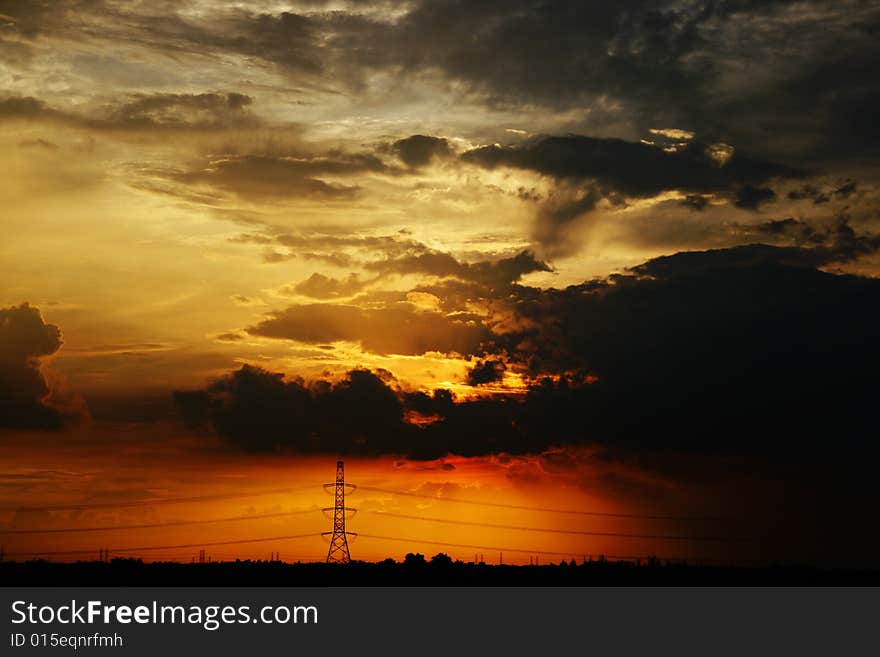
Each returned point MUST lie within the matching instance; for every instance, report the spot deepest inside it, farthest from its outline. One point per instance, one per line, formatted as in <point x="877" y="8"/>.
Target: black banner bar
<point x="460" y="621"/>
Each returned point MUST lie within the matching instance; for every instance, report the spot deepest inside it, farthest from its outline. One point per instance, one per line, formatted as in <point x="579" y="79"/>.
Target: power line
<point x="276" y="491"/>
<point x="157" y="501"/>
<point x="148" y="548"/>
<point x="497" y="548"/>
<point x="671" y="537"/>
<point x="155" y="525"/>
<point x="521" y="507"/>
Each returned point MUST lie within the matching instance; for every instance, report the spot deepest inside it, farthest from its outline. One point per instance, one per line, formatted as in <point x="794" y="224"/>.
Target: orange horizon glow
<point x="226" y="481"/>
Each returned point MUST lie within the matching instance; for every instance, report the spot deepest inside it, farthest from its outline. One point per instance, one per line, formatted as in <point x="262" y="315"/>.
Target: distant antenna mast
<point x="338" y="552"/>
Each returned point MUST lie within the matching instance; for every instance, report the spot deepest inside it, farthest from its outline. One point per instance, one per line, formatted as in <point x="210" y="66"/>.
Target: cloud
<point x="809" y="192"/>
<point x="821" y="195"/>
<point x="696" y="202"/>
<point x="258" y="410"/>
<point x="500" y="272"/>
<point x="205" y="110"/>
<point x="24" y="339"/>
<point x="143" y="112"/>
<point x="734" y="349"/>
<point x="588" y="170"/>
<point x="399" y="255"/>
<point x="628" y="66"/>
<point x="486" y="371"/>
<point x="319" y="286"/>
<point x="394" y="329"/>
<point x="632" y="169"/>
<point x="267" y="177"/>
<point x="836" y="242"/>
<point x="24" y="107"/>
<point x="363" y="413"/>
<point x="418" y="150"/>
<point x="748" y="351"/>
<point x="749" y="197"/>
<point x="333" y="248"/>
<point x="781" y="226"/>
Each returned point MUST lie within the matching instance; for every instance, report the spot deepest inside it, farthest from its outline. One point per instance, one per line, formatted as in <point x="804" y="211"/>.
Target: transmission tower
<point x="338" y="552"/>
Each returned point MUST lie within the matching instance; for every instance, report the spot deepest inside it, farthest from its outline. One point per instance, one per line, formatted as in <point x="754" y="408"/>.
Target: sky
<point x="612" y="257"/>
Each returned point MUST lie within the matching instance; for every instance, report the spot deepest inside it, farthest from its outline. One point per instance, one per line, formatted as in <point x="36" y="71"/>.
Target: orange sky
<point x="149" y="466"/>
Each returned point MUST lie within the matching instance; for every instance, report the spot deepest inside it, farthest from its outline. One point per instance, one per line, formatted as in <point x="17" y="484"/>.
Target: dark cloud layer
<point x="590" y="169"/>
<point x="24" y="339"/>
<point x="633" y="65"/>
<point x="740" y="351"/>
<point x="258" y="410"/>
<point x="836" y="242"/>
<point x="714" y="350"/>
<point x="632" y="169"/>
<point x="750" y="197"/>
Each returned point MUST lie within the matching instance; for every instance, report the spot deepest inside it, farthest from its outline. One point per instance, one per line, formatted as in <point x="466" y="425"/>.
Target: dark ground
<point x="416" y="572"/>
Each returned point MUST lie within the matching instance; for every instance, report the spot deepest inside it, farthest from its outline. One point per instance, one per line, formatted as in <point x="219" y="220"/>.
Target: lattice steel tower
<point x="338" y="552"/>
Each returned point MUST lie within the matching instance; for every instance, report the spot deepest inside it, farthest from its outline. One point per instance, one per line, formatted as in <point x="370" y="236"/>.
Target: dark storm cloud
<point x="715" y="351"/>
<point x="633" y="65"/>
<point x="486" y="371"/>
<point x="24" y="339"/>
<point x="835" y="242"/>
<point x="809" y="192"/>
<point x="419" y="150"/>
<point x="394" y="329"/>
<point x="751" y="198"/>
<point x="590" y="169"/>
<point x="748" y="255"/>
<point x="662" y="63"/>
<point x="740" y="351"/>
<point x="258" y="411"/>
<point x="782" y="226"/>
<point x="821" y="195"/>
<point x="439" y="403"/>
<point x="843" y="243"/>
<point x="632" y="169"/>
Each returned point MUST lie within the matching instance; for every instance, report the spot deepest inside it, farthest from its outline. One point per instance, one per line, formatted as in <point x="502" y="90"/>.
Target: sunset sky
<point x="610" y="257"/>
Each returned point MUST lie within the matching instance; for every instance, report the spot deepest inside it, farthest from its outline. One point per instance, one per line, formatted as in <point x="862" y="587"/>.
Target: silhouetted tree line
<point x="416" y="570"/>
